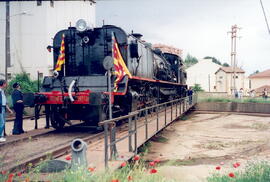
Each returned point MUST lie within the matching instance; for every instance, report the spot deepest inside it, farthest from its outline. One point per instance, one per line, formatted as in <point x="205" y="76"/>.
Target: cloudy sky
<point x="199" y="27"/>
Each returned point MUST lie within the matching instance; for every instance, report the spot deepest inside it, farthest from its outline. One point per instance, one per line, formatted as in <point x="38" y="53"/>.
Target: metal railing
<point x="171" y="111"/>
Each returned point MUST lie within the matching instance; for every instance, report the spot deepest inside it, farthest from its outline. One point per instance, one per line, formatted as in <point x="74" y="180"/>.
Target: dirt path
<point x="191" y="149"/>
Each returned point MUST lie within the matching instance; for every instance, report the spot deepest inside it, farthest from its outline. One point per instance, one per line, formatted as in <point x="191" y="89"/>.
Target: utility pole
<point x="233" y="57"/>
<point x="7" y="41"/>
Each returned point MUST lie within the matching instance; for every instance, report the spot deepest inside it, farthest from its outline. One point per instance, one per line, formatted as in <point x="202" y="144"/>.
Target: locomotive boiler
<point x="79" y="90"/>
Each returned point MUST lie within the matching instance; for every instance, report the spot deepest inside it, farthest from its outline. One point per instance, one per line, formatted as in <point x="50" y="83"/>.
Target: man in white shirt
<point x="3" y="105"/>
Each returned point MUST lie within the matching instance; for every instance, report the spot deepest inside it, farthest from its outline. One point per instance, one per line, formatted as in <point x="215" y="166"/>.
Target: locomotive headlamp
<point x="81" y="25"/>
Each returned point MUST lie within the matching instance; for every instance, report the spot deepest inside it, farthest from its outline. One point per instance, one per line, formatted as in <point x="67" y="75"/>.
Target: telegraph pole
<point x="233" y="57"/>
<point x="7" y="41"/>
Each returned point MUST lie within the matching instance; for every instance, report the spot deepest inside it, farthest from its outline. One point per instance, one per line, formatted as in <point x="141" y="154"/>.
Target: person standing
<point x="3" y="107"/>
<point x="265" y="93"/>
<point x="190" y="93"/>
<point x="240" y="93"/>
<point x="17" y="98"/>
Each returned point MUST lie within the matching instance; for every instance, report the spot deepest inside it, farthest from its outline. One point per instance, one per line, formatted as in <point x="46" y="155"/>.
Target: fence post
<point x="106" y="145"/>
<point x="135" y="135"/>
<point x="166" y="115"/>
<point x="171" y="111"/>
<point x="130" y="131"/>
<point x="113" y="147"/>
<point x="157" y="117"/>
<point x="176" y="110"/>
<point x="146" y="125"/>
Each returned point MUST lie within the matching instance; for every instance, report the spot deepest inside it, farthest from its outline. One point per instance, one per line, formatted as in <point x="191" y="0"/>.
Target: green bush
<point x="197" y="88"/>
<point x="27" y="85"/>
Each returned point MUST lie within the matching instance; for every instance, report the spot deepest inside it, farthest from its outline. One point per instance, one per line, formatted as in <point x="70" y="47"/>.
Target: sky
<point x="198" y="27"/>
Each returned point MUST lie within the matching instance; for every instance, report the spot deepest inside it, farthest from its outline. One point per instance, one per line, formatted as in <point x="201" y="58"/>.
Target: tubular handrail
<point x="118" y="118"/>
<point x="110" y="130"/>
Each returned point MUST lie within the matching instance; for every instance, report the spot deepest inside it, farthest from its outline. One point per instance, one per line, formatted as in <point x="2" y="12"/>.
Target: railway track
<point x="18" y="154"/>
<point x="51" y="145"/>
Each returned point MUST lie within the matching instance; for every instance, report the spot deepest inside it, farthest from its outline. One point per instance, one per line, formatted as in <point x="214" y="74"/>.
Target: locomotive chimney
<point x="137" y="35"/>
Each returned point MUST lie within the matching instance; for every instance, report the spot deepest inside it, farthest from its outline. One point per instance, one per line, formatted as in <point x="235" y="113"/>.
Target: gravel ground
<point x="194" y="147"/>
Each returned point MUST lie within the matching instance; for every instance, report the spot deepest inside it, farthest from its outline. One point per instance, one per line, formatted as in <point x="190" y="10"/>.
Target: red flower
<point x="68" y="157"/>
<point x="115" y="180"/>
<point x="10" y="175"/>
<point x="238" y="164"/>
<point x="231" y="175"/>
<point x="129" y="178"/>
<point x="123" y="164"/>
<point x="218" y="168"/>
<point x="157" y="161"/>
<point x="19" y="174"/>
<point x="136" y="158"/>
<point x="91" y="169"/>
<point x="152" y="163"/>
<point x="221" y="163"/>
<point x="4" y="172"/>
<point x="152" y="171"/>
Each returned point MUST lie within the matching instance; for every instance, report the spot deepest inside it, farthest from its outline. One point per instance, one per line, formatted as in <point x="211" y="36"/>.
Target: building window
<point x="40" y="75"/>
<point x="9" y="76"/>
<point x="52" y="3"/>
<point x="39" y="2"/>
<point x="235" y="77"/>
<point x="220" y="77"/>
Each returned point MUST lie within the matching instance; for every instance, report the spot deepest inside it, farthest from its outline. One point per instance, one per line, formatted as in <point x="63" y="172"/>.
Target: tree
<point x="190" y="60"/>
<point x="255" y="72"/>
<point x="197" y="88"/>
<point x="27" y="85"/>
<point x="214" y="60"/>
<point x="225" y="65"/>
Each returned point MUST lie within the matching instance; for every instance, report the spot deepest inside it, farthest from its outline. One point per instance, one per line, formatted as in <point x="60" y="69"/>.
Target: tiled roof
<point x="263" y="74"/>
<point x="230" y="69"/>
<point x="260" y="89"/>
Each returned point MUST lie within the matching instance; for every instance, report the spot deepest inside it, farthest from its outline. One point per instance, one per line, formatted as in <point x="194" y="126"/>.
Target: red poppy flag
<point x="119" y="64"/>
<point x="61" y="57"/>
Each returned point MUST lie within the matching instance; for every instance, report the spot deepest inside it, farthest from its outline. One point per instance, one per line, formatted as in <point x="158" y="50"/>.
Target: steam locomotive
<point x="80" y="90"/>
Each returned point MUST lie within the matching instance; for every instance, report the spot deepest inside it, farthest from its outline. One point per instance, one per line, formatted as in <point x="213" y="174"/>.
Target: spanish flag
<point x="61" y="57"/>
<point x="119" y="64"/>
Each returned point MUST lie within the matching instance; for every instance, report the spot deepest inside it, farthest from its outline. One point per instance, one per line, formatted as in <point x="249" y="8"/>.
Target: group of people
<point x="18" y="106"/>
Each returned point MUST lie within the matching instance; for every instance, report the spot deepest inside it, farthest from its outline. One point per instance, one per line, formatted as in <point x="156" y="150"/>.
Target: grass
<point x="136" y="171"/>
<point x="244" y="100"/>
<point x="254" y="172"/>
<point x="160" y="139"/>
<point x="178" y="162"/>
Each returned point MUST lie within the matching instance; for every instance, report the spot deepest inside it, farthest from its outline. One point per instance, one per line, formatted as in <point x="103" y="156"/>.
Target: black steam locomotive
<point x="80" y="90"/>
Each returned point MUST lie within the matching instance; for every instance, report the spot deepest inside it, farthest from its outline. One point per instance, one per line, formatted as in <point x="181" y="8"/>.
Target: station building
<point x="203" y="73"/>
<point x="225" y="79"/>
<point x="33" y="25"/>
<point x="260" y="81"/>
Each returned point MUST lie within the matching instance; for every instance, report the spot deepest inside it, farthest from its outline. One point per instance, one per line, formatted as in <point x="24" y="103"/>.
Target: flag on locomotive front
<point x="61" y="57"/>
<point x="119" y="65"/>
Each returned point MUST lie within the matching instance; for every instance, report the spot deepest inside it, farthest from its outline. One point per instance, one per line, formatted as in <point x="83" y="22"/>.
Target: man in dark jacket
<point x="190" y="93"/>
<point x="17" y="99"/>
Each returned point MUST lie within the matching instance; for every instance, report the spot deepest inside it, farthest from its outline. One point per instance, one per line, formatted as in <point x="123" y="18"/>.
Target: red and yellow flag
<point x="119" y="65"/>
<point x="61" y="57"/>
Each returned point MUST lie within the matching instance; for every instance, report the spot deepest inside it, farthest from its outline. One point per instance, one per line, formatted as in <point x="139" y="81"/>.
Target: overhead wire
<point x="266" y="21"/>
